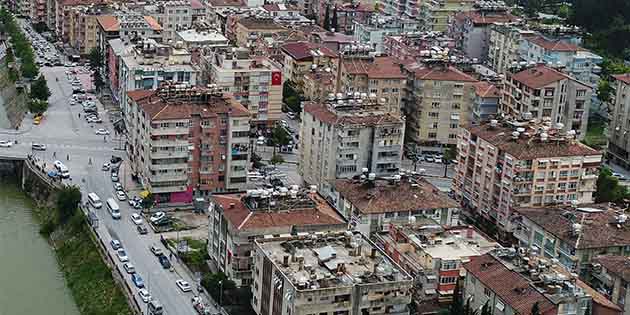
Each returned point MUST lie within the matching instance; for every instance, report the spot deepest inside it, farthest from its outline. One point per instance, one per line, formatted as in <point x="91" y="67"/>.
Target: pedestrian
<point x="79" y="115"/>
<point x="68" y="157"/>
<point x="54" y="154"/>
<point x="171" y="256"/>
<point x="90" y="161"/>
<point x="104" y="138"/>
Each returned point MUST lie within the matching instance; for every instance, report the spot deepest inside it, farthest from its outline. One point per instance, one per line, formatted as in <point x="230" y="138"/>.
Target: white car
<point x="102" y="131"/>
<point x="122" y="255"/>
<point x="144" y="295"/>
<point x="5" y="144"/>
<point x="121" y="195"/>
<point x="183" y="285"/>
<point x="116" y="244"/>
<point x="156" y="217"/>
<point x="129" y="268"/>
<point x="136" y="219"/>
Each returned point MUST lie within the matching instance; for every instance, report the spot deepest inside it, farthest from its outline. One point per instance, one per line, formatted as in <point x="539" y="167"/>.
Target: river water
<point x="30" y="279"/>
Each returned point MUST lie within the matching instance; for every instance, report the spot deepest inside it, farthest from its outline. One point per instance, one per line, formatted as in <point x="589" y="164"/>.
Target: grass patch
<point x="595" y="134"/>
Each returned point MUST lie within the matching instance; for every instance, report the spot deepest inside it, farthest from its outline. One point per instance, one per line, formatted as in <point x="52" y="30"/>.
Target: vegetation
<point x="595" y="134"/>
<point x="148" y="201"/>
<point x="607" y="22"/>
<point x="291" y="97"/>
<point x="197" y="255"/>
<point x="96" y="62"/>
<point x="279" y="136"/>
<point x="256" y="160"/>
<point x="608" y="188"/>
<point x="68" y="200"/>
<point x="276" y="159"/>
<point x="39" y="89"/>
<point x="19" y="44"/>
<point x="36" y="106"/>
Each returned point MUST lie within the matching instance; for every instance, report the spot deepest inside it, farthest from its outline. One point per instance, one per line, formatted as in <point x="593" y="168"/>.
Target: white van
<point x="62" y="169"/>
<point x="155" y="308"/>
<point x="94" y="200"/>
<point x="114" y="210"/>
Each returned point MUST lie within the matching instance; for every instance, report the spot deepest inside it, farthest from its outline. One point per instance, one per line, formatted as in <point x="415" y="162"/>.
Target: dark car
<point x="137" y="280"/>
<point x="142" y="229"/>
<point x="166" y="264"/>
<point x="115" y="159"/>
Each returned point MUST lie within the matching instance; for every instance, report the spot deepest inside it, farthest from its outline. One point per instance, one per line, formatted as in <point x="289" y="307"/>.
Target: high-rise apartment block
<point x="618" y="137"/>
<point x="544" y="93"/>
<point x="512" y="163"/>
<point x="326" y="273"/>
<point x="504" y="43"/>
<point x="187" y="141"/>
<point x="342" y="135"/>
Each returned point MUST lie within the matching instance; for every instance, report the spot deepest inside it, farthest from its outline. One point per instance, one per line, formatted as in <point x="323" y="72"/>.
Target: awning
<point x="144" y="194"/>
<point x="429" y="291"/>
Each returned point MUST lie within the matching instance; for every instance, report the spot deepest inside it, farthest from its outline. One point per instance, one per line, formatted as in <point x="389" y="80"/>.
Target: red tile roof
<point x="529" y="148"/>
<point x="385" y="197"/>
<point x="599" y="229"/>
<point x="109" y="23"/>
<point x="486" y="89"/>
<point x="552" y="45"/>
<point x="539" y="76"/>
<point x="254" y="23"/>
<point x="158" y="108"/>
<point x="378" y="68"/>
<point x="442" y="74"/>
<point x="196" y="4"/>
<point x="513" y="289"/>
<point x="153" y="23"/>
<point x="303" y="51"/>
<point x="625" y="78"/>
<point x="323" y="113"/>
<point x="241" y="218"/>
<point x="227" y="3"/>
<point x="479" y="18"/>
<point x="618" y="266"/>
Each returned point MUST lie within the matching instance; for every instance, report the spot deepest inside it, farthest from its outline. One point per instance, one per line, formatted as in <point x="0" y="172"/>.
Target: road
<point x="75" y="143"/>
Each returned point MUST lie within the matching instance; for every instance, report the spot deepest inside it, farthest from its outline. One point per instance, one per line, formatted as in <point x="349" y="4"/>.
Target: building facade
<point x="504" y="44"/>
<point x="486" y="102"/>
<point x="618" y="138"/>
<point x="186" y="142"/>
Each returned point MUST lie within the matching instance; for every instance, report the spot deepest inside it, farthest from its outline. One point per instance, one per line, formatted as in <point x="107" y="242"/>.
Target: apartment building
<point x="401" y="8"/>
<point x="574" y="235"/>
<point x="544" y="93"/>
<point x="349" y="14"/>
<point x="618" y="138"/>
<point x="438" y="104"/>
<point x="436" y="15"/>
<point x="515" y="163"/>
<point x="319" y="84"/>
<point x="371" y="204"/>
<point x="235" y="220"/>
<point x="378" y="26"/>
<point x="300" y="58"/>
<point x="434" y="256"/>
<point x="38" y="11"/>
<point x="326" y="273"/>
<point x="116" y="49"/>
<point x="249" y="29"/>
<point x="193" y="38"/>
<point x="413" y="47"/>
<point x="335" y="41"/>
<point x="504" y="44"/>
<point x="187" y="142"/>
<point x="471" y="29"/>
<point x="341" y="136"/>
<point x="512" y="283"/>
<point x="63" y="9"/>
<point x="255" y="82"/>
<point x="82" y="33"/>
<point x="578" y="62"/>
<point x="151" y="63"/>
<point x="610" y="277"/>
<point x="378" y="76"/>
<point x="486" y="102"/>
<point x="172" y="15"/>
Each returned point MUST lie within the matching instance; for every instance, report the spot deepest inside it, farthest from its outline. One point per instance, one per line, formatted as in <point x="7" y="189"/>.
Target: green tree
<point x="450" y="153"/>
<point x="279" y="136"/>
<point x="68" y="199"/>
<point x="256" y="160"/>
<point x="457" y="307"/>
<point x="40" y="90"/>
<point x="608" y="188"/>
<point x="536" y="309"/>
<point x="327" y="18"/>
<point x="604" y="91"/>
<point x="276" y="159"/>
<point x="95" y="59"/>
<point x="36" y="106"/>
<point x="148" y="201"/>
<point x="564" y="11"/>
<point x="213" y="282"/>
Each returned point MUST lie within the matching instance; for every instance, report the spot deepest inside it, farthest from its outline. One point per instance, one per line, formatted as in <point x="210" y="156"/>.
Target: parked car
<point x="5" y="144"/>
<point x="183" y="285"/>
<point x="121" y="195"/>
<point x="116" y="244"/>
<point x="157" y="217"/>
<point x="118" y="187"/>
<point x="136" y="219"/>
<point x="137" y="280"/>
<point x="142" y="229"/>
<point x="144" y="295"/>
<point x="129" y="268"/>
<point x="115" y="159"/>
<point x="38" y="147"/>
<point x="105" y="167"/>
<point x="156" y="250"/>
<point x="122" y="255"/>
<point x="102" y="131"/>
<point x="114" y="177"/>
<point x="166" y="264"/>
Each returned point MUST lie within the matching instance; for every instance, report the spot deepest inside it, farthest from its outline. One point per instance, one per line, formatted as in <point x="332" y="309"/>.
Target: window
<point x="487" y="292"/>
<point x="454" y="125"/>
<point x="449" y="265"/>
<point x="434" y="114"/>
<point x="434" y="125"/>
<point x="538" y="238"/>
<point x="435" y="105"/>
<point x="456" y="106"/>
<point x="448" y="280"/>
<point x="452" y="136"/>
<point x="580" y="93"/>
<point x="432" y="135"/>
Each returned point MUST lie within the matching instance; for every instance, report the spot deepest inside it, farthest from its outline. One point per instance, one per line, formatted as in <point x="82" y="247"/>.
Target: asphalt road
<point x="69" y="136"/>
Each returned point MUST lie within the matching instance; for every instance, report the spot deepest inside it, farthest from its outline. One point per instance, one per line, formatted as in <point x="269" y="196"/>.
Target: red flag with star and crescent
<point x="276" y="78"/>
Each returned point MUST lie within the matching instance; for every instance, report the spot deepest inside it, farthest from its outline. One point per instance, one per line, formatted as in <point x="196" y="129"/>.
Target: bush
<point x="67" y="202"/>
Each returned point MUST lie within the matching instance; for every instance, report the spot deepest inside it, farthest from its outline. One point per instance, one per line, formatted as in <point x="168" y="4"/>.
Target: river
<point x="30" y="279"/>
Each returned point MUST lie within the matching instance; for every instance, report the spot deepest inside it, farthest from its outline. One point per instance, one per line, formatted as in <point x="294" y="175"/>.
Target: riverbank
<point x="89" y="279"/>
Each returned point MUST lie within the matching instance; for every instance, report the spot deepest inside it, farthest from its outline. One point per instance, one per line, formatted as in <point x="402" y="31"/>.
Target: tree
<point x="36" y="106"/>
<point x="68" y="200"/>
<point x="95" y="59"/>
<point x="148" y="201"/>
<point x="276" y="159"/>
<point x="532" y="7"/>
<point x="457" y="307"/>
<point x="40" y="90"/>
<point x="256" y="160"/>
<point x="485" y="310"/>
<point x="536" y="309"/>
<point x="213" y="282"/>
<point x="327" y="18"/>
<point x="40" y="27"/>
<point x="608" y="188"/>
<point x="333" y="23"/>
<point x="450" y="153"/>
<point x="604" y="91"/>
<point x="279" y="136"/>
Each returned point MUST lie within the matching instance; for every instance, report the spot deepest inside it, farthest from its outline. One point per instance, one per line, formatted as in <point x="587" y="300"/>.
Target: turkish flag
<point x="276" y="78"/>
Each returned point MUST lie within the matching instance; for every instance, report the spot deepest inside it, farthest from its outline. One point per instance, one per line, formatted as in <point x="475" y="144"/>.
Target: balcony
<point x="157" y="167"/>
<point x="169" y="131"/>
<point x="170" y="143"/>
<point x="169" y="177"/>
<point x="167" y="189"/>
<point x="169" y="154"/>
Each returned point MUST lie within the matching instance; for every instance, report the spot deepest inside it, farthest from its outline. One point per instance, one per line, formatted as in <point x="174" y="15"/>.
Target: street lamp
<point x="221" y="293"/>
